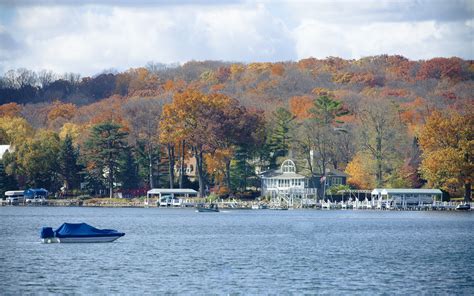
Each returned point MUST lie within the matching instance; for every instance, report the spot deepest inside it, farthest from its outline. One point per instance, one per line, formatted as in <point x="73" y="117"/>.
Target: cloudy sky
<point x="94" y="35"/>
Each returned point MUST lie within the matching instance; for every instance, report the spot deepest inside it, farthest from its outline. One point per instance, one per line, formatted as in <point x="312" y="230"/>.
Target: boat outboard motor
<point x="47" y="235"/>
<point x="47" y="232"/>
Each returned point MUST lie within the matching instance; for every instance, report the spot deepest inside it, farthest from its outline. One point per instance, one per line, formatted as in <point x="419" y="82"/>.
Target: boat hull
<point x="465" y="207"/>
<point x="79" y="233"/>
<point x="207" y="210"/>
<point x="97" y="239"/>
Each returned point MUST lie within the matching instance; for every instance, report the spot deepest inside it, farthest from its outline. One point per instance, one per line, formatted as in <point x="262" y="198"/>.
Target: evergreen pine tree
<point x="241" y="170"/>
<point x="279" y="140"/>
<point x="128" y="171"/>
<point x="68" y="164"/>
<point x="103" y="150"/>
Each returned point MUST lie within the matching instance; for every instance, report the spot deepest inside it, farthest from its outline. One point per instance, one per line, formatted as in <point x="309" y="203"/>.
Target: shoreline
<point x="237" y="205"/>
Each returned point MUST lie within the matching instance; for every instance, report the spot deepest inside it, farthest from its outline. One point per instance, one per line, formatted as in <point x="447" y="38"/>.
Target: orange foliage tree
<point x="192" y="116"/>
<point x="10" y="110"/>
<point x="61" y="113"/>
<point x="361" y="171"/>
<point x="447" y="142"/>
<point x="207" y="123"/>
<point x="439" y="68"/>
<point x="216" y="165"/>
<point x="300" y="106"/>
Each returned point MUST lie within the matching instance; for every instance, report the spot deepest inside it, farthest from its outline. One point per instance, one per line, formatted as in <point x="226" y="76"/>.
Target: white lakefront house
<point x="283" y="179"/>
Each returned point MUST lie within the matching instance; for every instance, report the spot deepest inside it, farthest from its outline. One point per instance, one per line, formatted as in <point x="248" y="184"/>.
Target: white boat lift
<point x="172" y="192"/>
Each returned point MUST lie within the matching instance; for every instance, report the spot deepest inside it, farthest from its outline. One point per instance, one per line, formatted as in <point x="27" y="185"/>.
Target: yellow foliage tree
<point x="15" y="130"/>
<point x="361" y="172"/>
<point x="216" y="165"/>
<point x="75" y="131"/>
<point x="447" y="142"/>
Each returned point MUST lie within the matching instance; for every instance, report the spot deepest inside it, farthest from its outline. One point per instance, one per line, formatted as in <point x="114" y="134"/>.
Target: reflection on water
<point x="251" y="252"/>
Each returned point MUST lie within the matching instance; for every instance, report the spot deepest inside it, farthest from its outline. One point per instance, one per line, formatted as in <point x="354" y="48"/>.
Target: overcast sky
<point x="95" y="35"/>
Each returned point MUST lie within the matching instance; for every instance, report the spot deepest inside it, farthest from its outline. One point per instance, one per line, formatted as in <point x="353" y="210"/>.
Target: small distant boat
<point x="258" y="206"/>
<point x="463" y="207"/>
<point x="79" y="233"/>
<point x="279" y="208"/>
<point x="208" y="209"/>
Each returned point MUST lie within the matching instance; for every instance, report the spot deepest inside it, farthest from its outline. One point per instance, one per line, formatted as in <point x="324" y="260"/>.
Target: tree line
<point x="366" y="117"/>
<point x="149" y="145"/>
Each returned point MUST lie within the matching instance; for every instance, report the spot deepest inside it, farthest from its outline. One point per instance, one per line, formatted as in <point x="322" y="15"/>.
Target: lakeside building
<point x="189" y="168"/>
<point x="404" y="197"/>
<point x="286" y="187"/>
<point x="170" y="196"/>
<point x="283" y="179"/>
<point x="4" y="148"/>
<point x="287" y="179"/>
<point x="322" y="182"/>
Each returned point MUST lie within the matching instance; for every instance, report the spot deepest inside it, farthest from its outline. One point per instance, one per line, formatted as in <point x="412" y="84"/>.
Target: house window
<point x="336" y="181"/>
<point x="288" y="166"/>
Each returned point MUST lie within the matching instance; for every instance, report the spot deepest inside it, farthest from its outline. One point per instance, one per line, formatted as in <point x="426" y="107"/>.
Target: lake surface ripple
<point x="180" y="251"/>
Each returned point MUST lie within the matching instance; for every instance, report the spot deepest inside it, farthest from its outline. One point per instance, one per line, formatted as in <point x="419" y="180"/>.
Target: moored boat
<point x="208" y="209"/>
<point x="463" y="207"/>
<point x="79" y="233"/>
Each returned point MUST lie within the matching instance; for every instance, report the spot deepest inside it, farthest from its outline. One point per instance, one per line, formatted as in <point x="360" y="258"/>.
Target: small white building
<point x="405" y="197"/>
<point x="3" y="149"/>
<point x="283" y="179"/>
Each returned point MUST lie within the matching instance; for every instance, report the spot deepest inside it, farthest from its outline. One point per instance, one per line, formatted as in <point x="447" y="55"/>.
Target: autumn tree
<point x="103" y="149"/>
<point x="216" y="165"/>
<point x="447" y="142"/>
<point x="239" y="127"/>
<point x="316" y="136"/>
<point x="300" y="106"/>
<point x="10" y="110"/>
<point x="60" y="113"/>
<point x="206" y="122"/>
<point x="142" y="116"/>
<point x="361" y="171"/>
<point x="15" y="130"/>
<point x="382" y="134"/>
<point x="37" y="160"/>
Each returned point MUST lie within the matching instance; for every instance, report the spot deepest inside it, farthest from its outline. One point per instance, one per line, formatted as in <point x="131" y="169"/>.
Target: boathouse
<point x="405" y="197"/>
<point x="172" y="192"/>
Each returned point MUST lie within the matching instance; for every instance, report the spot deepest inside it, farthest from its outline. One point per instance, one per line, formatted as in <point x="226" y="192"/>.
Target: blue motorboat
<point x="79" y="233"/>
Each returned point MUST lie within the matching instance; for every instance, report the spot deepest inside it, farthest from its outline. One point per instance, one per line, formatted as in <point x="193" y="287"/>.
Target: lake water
<point x="181" y="251"/>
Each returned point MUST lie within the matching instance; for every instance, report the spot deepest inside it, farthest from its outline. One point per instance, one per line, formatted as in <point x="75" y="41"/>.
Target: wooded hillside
<point x="363" y="116"/>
